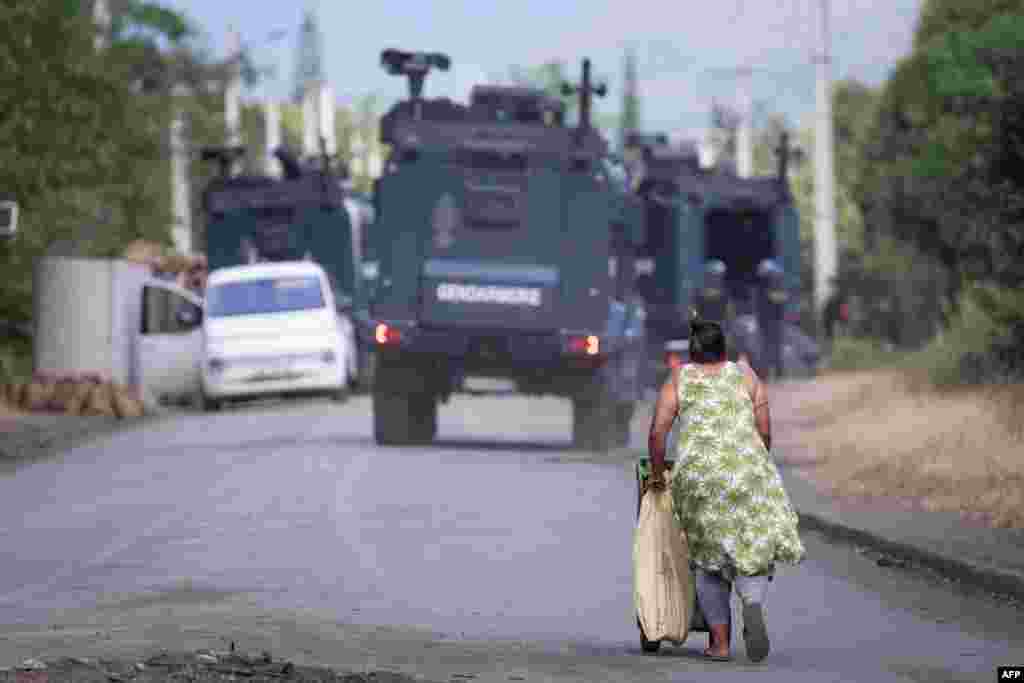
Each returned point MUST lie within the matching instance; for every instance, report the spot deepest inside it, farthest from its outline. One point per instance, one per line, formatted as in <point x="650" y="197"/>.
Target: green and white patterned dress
<point x="727" y="493"/>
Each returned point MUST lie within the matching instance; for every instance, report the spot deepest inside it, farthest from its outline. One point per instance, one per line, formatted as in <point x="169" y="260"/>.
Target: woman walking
<point x="726" y="491"/>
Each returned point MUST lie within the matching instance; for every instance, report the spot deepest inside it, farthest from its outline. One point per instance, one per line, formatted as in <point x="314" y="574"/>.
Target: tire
<point x="402" y="420"/>
<point x="623" y="423"/>
<point x="392" y="425"/>
<point x="207" y="404"/>
<point x="648" y="646"/>
<point x="593" y="424"/>
<point x="424" y="415"/>
<point x="364" y="376"/>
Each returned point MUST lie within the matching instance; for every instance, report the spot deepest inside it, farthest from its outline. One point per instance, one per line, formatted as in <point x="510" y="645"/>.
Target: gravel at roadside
<point x="201" y="666"/>
<point x="30" y="436"/>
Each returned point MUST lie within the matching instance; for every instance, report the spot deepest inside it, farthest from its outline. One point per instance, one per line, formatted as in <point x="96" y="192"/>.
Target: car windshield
<point x="254" y="297"/>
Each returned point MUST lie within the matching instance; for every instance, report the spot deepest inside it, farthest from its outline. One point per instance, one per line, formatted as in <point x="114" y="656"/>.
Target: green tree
<point x="941" y="162"/>
<point x="86" y="130"/>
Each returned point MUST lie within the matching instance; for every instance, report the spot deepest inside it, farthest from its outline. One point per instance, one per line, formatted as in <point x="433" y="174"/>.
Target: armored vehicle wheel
<point x="648" y="646"/>
<point x="404" y="419"/>
<point x="392" y="421"/>
<point x="623" y="422"/>
<point x="424" y="417"/>
<point x="205" y="403"/>
<point x="593" y="424"/>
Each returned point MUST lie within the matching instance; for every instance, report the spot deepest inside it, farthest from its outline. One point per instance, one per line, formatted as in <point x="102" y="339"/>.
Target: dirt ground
<point x="889" y="435"/>
<point x="202" y="666"/>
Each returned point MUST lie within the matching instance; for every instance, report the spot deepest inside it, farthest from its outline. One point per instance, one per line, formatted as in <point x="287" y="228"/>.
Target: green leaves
<point x="85" y="132"/>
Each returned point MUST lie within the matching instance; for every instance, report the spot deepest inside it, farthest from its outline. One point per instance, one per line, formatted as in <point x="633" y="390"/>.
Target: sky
<point x="685" y="50"/>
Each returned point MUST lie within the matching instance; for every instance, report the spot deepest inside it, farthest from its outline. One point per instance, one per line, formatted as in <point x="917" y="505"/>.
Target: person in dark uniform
<point x="771" y="310"/>
<point x="833" y="315"/>
<point x="712" y="298"/>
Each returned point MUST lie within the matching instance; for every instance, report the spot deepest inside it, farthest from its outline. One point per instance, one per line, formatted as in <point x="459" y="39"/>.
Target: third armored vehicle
<point x="709" y="232"/>
<point x="505" y="242"/>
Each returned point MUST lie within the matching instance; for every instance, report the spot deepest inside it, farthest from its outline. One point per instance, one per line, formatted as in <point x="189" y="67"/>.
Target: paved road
<point x="286" y="525"/>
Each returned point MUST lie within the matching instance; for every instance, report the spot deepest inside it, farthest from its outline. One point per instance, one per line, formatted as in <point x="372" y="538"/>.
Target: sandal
<point x="716" y="658"/>
<point x="755" y="633"/>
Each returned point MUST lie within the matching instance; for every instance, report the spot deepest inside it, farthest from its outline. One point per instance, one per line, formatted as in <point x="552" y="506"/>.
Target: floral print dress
<point x="727" y="493"/>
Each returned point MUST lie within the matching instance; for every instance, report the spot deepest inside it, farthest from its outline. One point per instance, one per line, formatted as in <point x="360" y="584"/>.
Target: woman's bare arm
<point x="762" y="413"/>
<point x="661" y="424"/>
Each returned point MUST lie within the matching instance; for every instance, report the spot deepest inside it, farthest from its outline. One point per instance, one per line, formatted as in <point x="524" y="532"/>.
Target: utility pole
<point x="825" y="249"/>
<point x="272" y="120"/>
<point x="745" y="133"/>
<point x="181" y="229"/>
<point x="309" y="59"/>
<point x="233" y="92"/>
<point x="310" y="120"/>
<point x="101" y="17"/>
<point x="745" y="111"/>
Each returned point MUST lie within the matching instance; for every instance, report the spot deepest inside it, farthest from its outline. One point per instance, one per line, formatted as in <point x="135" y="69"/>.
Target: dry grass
<point x="887" y="434"/>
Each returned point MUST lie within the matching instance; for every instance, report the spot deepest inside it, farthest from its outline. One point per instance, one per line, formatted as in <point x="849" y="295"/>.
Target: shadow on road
<point x="490" y="445"/>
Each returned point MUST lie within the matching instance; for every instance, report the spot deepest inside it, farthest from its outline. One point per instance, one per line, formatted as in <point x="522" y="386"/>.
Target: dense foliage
<point x="942" y="166"/>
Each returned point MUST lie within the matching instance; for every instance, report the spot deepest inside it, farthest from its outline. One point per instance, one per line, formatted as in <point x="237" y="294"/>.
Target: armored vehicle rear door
<point x="501" y="242"/>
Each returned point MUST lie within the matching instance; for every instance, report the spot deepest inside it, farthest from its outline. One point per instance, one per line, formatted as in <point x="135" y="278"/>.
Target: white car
<point x="272" y="329"/>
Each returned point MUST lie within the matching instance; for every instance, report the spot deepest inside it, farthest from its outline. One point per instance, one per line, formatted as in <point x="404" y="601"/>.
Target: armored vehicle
<point x="304" y="215"/>
<point x="708" y="233"/>
<point x="499" y="232"/>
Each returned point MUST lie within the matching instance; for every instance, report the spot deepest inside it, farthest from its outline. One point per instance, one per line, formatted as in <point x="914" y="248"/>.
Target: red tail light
<point x="385" y="334"/>
<point x="589" y="345"/>
<point x="674" y="359"/>
<point x="844" y="312"/>
<point x="793" y="317"/>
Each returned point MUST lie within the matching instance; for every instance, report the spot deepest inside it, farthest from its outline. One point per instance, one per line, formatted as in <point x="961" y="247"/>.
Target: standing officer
<point x="771" y="311"/>
<point x="712" y="299"/>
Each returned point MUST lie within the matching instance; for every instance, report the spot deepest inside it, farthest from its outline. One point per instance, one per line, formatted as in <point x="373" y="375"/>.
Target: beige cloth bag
<point x="663" y="585"/>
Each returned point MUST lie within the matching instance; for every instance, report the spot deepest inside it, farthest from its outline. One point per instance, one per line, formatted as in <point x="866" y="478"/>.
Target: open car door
<point x="169" y="345"/>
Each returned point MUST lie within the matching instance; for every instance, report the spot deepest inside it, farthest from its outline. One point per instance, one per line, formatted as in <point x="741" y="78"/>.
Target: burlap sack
<point x="126" y="406"/>
<point x="146" y="253"/>
<point x="40" y="394"/>
<point x="100" y="401"/>
<point x="36" y="397"/>
<point x="663" y="586"/>
<point x="76" y="406"/>
<point x="62" y="395"/>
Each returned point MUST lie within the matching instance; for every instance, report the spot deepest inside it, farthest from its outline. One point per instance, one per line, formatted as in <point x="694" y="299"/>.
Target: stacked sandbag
<point x="187" y="271"/>
<point x="146" y="253"/>
<point x="74" y="394"/>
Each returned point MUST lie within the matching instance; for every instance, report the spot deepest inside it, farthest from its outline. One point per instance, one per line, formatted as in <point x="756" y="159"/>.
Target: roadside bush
<point x="15" y="360"/>
<point x="861" y="353"/>
<point x="984" y="343"/>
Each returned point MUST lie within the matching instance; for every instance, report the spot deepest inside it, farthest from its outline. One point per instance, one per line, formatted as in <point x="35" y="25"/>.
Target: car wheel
<point x="207" y="404"/>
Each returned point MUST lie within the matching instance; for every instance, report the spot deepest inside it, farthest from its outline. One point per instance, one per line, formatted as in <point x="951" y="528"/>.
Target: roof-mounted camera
<point x="413" y="65"/>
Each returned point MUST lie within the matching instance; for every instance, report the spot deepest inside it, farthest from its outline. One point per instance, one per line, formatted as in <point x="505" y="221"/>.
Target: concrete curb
<point x="986" y="577"/>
